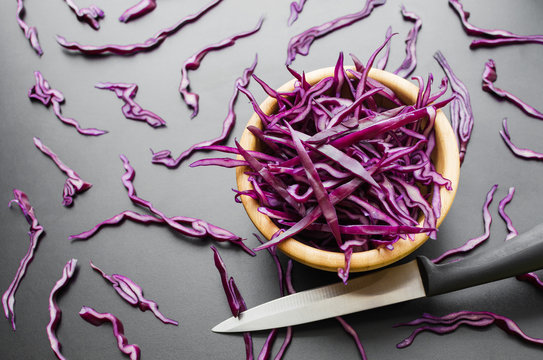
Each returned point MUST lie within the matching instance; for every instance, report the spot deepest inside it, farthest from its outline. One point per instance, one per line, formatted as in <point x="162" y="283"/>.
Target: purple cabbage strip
<point x="265" y="353"/>
<point x="91" y="15"/>
<point x="285" y="344"/>
<point x="497" y="36"/>
<point x="235" y="300"/>
<point x="349" y="330"/>
<point x="164" y="157"/>
<point x="501" y="210"/>
<point x="31" y="33"/>
<point x="489" y="78"/>
<point x="198" y="229"/>
<point x="130" y="109"/>
<point x="410" y="62"/>
<point x="444" y="329"/>
<point x="532" y="278"/>
<point x="36" y="230"/>
<point x="54" y="311"/>
<point x="538" y="39"/>
<point x="224" y="162"/>
<point x="301" y="43"/>
<point x="143" y="7"/>
<point x="378" y="128"/>
<point x="343" y="272"/>
<point x="232" y="150"/>
<point x="235" y="306"/>
<point x="151" y="43"/>
<point x="473" y="243"/>
<point x="460" y="109"/>
<point x="449" y="323"/>
<point x="145" y="219"/>
<point x="520" y="152"/>
<point x="295" y="10"/>
<point x="193" y="63"/>
<point x="74" y="184"/>
<point x="47" y="96"/>
<point x="382" y="63"/>
<point x="96" y="318"/>
<point x="132" y="293"/>
<point x="328" y="210"/>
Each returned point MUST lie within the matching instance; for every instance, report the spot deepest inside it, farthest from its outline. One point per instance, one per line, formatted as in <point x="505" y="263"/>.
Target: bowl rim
<point x="447" y="164"/>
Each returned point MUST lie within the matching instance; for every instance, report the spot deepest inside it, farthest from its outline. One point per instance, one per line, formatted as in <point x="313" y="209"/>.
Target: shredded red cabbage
<point x="410" y="62"/>
<point x="74" y="184"/>
<point x="349" y="330"/>
<point x="224" y="162"/>
<point x="130" y="109"/>
<point x="234" y="298"/>
<point x="193" y="63"/>
<point x="266" y="351"/>
<point x="449" y="323"/>
<point x="47" y="96"/>
<point x="132" y="293"/>
<point x="532" y="278"/>
<point x="300" y="43"/>
<point x="382" y="63"/>
<point x="494" y="37"/>
<point x="489" y="78"/>
<point x="96" y="318"/>
<point x="473" y="243"/>
<point x="91" y="15"/>
<point x="31" y="33"/>
<point x="151" y="43"/>
<point x="36" y="230"/>
<point x="150" y="219"/>
<point x="501" y="210"/>
<point x="507" y="41"/>
<point x="186" y="225"/>
<point x="198" y="228"/>
<point x="520" y="152"/>
<point x="143" y="7"/>
<point x="316" y="184"/>
<point x="460" y="108"/>
<point x="54" y="311"/>
<point x="295" y="10"/>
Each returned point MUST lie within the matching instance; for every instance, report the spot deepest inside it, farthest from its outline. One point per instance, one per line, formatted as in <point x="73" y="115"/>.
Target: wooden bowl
<point x="445" y="159"/>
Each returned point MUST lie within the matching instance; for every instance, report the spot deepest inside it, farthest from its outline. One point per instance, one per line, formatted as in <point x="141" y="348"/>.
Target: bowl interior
<point x="445" y="158"/>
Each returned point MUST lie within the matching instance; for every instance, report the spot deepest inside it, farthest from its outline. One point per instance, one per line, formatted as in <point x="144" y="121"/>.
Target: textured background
<point x="178" y="272"/>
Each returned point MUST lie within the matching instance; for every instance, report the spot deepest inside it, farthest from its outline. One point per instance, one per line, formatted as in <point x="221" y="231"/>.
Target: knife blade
<point x="415" y="279"/>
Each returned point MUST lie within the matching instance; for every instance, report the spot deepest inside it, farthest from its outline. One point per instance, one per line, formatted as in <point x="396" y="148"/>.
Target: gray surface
<point x="178" y="272"/>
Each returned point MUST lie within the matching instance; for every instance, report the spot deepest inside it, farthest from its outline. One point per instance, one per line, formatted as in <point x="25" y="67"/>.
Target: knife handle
<point x="519" y="255"/>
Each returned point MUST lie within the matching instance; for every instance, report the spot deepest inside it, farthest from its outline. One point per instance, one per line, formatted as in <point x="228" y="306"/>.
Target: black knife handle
<point x="519" y="255"/>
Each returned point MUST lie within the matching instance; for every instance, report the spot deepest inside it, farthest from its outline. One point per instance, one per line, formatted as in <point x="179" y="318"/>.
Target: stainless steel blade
<point x="384" y="287"/>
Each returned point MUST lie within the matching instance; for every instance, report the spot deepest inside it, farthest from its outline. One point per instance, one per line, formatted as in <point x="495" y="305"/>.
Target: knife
<point x="415" y="279"/>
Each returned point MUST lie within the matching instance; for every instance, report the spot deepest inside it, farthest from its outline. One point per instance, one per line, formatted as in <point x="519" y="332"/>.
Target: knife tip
<point x="222" y="327"/>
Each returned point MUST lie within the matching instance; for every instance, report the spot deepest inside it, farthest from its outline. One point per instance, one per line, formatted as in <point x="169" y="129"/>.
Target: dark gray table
<point x="177" y="271"/>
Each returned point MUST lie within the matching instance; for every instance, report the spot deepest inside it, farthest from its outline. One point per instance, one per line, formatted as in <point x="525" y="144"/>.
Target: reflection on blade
<point x="385" y="287"/>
